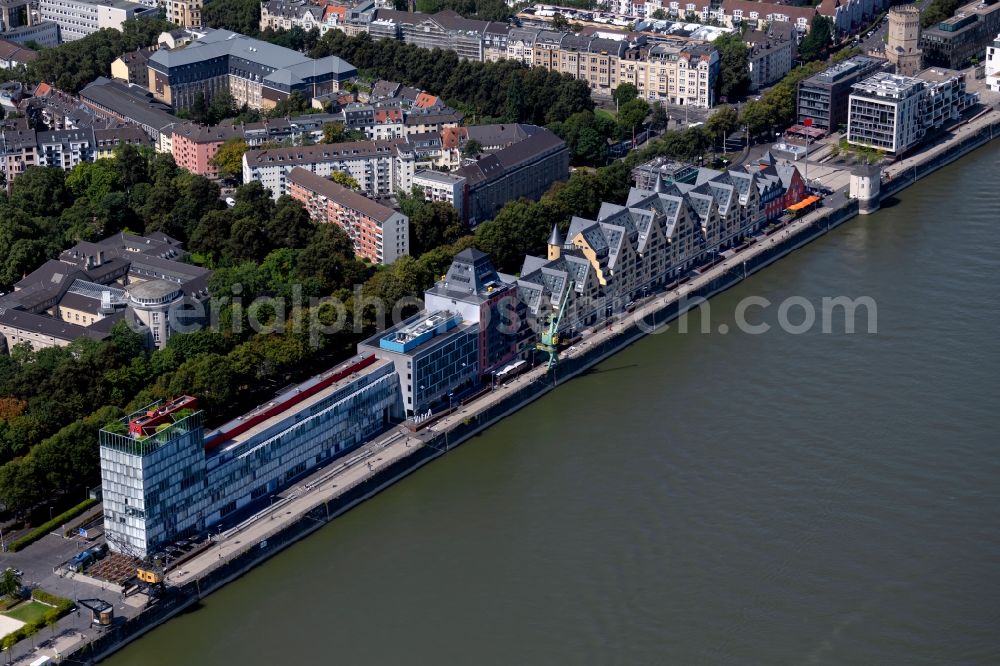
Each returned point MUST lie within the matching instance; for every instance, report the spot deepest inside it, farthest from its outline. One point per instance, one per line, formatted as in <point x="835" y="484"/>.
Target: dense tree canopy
<point x="939" y="10"/>
<point x="480" y="88"/>
<point x="586" y="135"/>
<point x="486" y="10"/>
<point x="817" y="41"/>
<point x="776" y="107"/>
<point x="242" y="16"/>
<point x="734" y="66"/>
<point x="229" y="158"/>
<point x="73" y="65"/>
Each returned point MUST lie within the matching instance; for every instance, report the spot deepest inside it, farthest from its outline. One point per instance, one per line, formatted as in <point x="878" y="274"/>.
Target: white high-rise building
<point x="993" y="65"/>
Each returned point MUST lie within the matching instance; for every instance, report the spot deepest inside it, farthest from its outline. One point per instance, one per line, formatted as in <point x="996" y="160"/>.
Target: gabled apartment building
<point x="629" y="251"/>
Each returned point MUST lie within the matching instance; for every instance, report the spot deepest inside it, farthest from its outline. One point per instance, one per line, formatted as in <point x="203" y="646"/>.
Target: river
<point x="700" y="498"/>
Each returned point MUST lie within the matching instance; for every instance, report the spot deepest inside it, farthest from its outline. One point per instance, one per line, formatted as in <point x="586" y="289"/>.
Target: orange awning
<point x="808" y="201"/>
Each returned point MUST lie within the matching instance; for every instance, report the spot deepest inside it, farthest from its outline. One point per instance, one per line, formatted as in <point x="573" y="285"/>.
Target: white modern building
<point x="78" y="18"/>
<point x="993" y="65"/>
<point x="893" y="113"/>
<point x="379" y="167"/>
<point x="440" y="186"/>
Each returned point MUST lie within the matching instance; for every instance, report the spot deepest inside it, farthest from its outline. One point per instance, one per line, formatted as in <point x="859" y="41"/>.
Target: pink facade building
<point x="194" y="146"/>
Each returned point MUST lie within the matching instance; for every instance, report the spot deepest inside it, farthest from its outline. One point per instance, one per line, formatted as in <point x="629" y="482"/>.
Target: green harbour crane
<point x="550" y="335"/>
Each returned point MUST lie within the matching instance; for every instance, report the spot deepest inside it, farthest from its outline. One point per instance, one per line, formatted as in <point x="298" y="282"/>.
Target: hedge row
<point x="43" y="597"/>
<point x="60" y="608"/>
<point x="43" y="529"/>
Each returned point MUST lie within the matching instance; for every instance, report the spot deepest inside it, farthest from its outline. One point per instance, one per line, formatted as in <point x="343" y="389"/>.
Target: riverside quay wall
<point x="654" y="312"/>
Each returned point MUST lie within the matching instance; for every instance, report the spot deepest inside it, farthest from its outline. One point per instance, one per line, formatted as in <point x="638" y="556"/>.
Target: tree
<point x="40" y="191"/>
<point x="937" y="11"/>
<point x="211" y="236"/>
<point x="734" y="66"/>
<point x="132" y="164"/>
<point x="345" y="179"/>
<point x="757" y="115"/>
<point x="10" y="582"/>
<point x="659" y="119"/>
<point x="223" y="106"/>
<point x="93" y="180"/>
<point x="472" y="147"/>
<point x="405" y="278"/>
<point x="520" y="228"/>
<point x="814" y="45"/>
<point x="329" y="259"/>
<point x="337" y="133"/>
<point x="294" y="104"/>
<point x="199" y="109"/>
<point x="723" y="121"/>
<point x="559" y="23"/>
<point x="290" y="226"/>
<point x="433" y="224"/>
<point x="625" y="92"/>
<point x="242" y="16"/>
<point x="631" y="115"/>
<point x="229" y="158"/>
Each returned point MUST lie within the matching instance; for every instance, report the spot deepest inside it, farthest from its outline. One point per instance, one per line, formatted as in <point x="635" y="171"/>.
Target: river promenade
<point x="329" y="492"/>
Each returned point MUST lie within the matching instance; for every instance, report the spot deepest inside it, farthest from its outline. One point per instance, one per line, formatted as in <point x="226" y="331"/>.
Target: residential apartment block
<point x="847" y="15"/>
<point x="193" y="146"/>
<point x="602" y="62"/>
<point x="78" y="18"/>
<point x="525" y="168"/>
<point x="379" y="167"/>
<point x="131" y="67"/>
<point x="894" y="113"/>
<point x="64" y="149"/>
<point x="677" y="73"/>
<point x="185" y="13"/>
<point x="254" y="72"/>
<point x="288" y="14"/>
<point x="822" y="98"/>
<point x="379" y="233"/>
<point x="954" y="42"/>
<point x="440" y="186"/>
<point x="770" y="55"/>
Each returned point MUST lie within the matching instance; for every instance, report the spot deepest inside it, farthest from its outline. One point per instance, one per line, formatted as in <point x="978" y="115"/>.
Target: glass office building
<point x="170" y="479"/>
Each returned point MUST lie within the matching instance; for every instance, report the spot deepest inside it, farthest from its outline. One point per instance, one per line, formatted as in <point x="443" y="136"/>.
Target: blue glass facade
<point x="167" y="486"/>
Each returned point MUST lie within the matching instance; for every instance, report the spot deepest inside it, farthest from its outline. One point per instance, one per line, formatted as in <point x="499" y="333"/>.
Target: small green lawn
<point x="606" y="113"/>
<point x="28" y="612"/>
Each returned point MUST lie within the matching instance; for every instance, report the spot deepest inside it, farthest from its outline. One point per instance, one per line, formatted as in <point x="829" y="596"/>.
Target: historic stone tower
<point x="903" y="46"/>
<point x="866" y="187"/>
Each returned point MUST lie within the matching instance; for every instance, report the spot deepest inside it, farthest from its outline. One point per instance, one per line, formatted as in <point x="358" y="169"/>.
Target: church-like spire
<point x="555" y="238"/>
<point x="660" y="186"/>
<point x="555" y="243"/>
